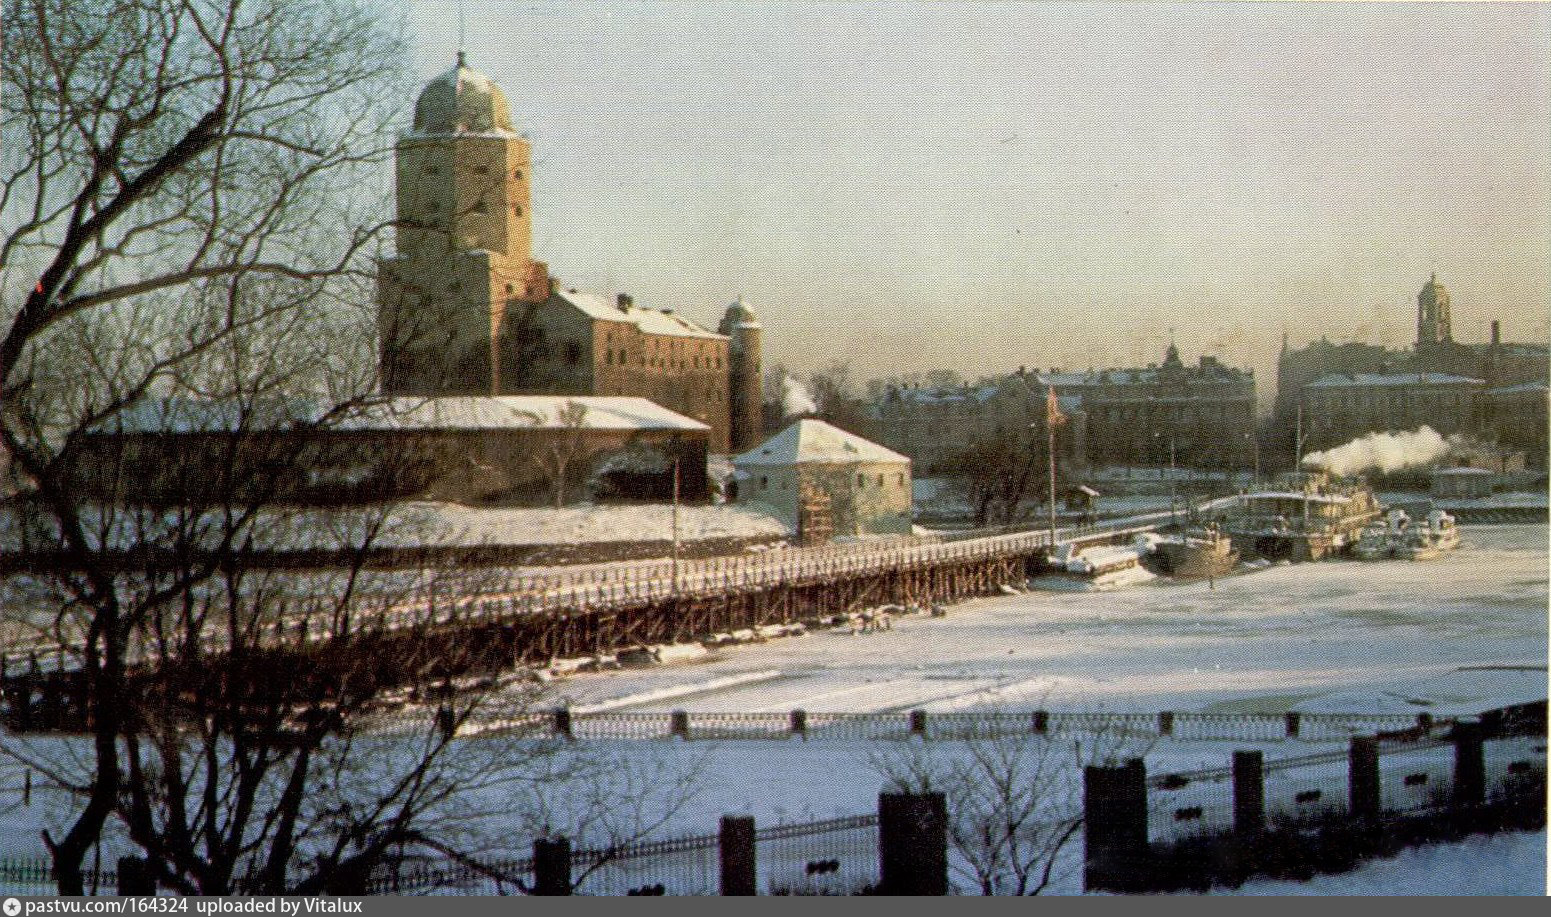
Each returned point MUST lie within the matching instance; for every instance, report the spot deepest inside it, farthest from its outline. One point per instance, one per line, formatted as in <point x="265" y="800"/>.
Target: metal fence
<point x="931" y="726"/>
<point x="841" y="856"/>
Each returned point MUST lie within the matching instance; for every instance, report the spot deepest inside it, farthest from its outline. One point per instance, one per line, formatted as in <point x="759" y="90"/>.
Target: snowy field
<point x="1338" y="636"/>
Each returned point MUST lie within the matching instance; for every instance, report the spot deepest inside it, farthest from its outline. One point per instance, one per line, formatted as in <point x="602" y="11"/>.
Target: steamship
<point x="1305" y="515"/>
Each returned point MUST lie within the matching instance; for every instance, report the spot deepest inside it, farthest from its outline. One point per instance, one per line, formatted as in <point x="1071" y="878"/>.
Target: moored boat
<point x="1382" y="540"/>
<point x="1100" y="566"/>
<point x="1425" y="540"/>
<point x="1305" y="516"/>
<point x="1196" y="554"/>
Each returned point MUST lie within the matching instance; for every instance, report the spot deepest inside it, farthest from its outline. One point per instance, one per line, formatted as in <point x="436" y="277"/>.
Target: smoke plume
<point x="1385" y="451"/>
<point x="795" y="400"/>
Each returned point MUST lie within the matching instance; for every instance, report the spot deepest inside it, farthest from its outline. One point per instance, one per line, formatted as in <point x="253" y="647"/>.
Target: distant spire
<point x="461" y="36"/>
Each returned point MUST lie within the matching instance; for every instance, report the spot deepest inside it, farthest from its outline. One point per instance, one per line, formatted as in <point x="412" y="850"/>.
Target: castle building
<point x="465" y="309"/>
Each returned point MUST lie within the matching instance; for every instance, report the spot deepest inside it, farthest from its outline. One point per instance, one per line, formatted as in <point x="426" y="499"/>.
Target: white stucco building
<point x="866" y="487"/>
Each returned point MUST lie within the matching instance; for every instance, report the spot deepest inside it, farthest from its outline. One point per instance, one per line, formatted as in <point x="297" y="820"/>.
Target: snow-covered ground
<point x="1461" y="632"/>
<point x="1263" y="641"/>
<point x="1498" y="864"/>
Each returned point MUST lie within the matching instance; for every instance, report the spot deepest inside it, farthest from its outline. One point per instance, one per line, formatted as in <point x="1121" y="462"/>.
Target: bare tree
<point x="1014" y="801"/>
<point x="179" y="196"/>
<point x="559" y="456"/>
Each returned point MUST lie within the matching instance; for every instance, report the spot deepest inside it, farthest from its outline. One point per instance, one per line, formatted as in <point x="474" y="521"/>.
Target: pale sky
<point x="979" y="186"/>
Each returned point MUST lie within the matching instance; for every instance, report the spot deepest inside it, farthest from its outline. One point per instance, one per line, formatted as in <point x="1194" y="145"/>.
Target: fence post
<point x="1364" y="799"/>
<point x="552" y="866"/>
<point x="800" y="723"/>
<point x="134" y="877"/>
<point x="1294" y="724"/>
<point x="1469" y="764"/>
<point x="912" y="844"/>
<point x="1041" y="721"/>
<point x="678" y="724"/>
<point x="918" y="723"/>
<point x="1166" y="723"/>
<point x="736" y="842"/>
<point x="1115" y="827"/>
<point x="563" y="723"/>
<point x="1249" y="793"/>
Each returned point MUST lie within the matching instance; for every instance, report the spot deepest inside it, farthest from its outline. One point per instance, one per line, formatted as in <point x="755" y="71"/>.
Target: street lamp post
<point x="1172" y="496"/>
<point x="674" y="569"/>
<point x="1255" y="442"/>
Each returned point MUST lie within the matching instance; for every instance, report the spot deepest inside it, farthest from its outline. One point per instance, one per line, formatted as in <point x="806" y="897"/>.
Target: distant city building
<point x="1495" y="365"/>
<point x="1110" y="416"/>
<point x="1204" y="414"/>
<point x="1339" y="408"/>
<point x="1516" y="417"/>
<point x="1463" y="483"/>
<point x="465" y="309"/>
<point x="814" y="475"/>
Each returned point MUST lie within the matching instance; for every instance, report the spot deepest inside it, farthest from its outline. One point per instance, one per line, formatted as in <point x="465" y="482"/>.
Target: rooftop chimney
<point x="624" y="301"/>
<point x="1497" y="332"/>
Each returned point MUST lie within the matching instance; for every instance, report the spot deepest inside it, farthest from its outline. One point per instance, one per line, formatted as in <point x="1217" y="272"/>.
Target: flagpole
<point x="1050" y="432"/>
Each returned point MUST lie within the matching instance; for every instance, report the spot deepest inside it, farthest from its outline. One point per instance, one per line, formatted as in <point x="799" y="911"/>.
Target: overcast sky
<point x="982" y="185"/>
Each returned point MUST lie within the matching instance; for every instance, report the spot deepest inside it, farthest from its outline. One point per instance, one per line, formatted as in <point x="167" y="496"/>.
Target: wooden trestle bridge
<point x="535" y="617"/>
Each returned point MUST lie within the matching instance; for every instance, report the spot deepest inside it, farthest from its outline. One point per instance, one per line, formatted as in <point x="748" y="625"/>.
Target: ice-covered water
<point x="1262" y="640"/>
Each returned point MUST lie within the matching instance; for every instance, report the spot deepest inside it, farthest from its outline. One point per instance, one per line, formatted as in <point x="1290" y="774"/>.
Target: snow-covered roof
<point x="462" y="101"/>
<point x="953" y="395"/>
<point x="650" y="321"/>
<point x="1523" y="388"/>
<point x="536" y="412"/>
<point x="1297" y="495"/>
<point x="1096" y="377"/>
<point x="814" y="441"/>
<point x="1341" y="380"/>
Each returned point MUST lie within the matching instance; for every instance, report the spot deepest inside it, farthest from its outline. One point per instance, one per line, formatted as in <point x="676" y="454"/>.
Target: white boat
<point x="1431" y="538"/>
<point x="1383" y="540"/>
<point x="1101" y="566"/>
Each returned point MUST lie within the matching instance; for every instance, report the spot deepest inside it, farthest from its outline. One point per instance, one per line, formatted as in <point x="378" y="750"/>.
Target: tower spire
<point x="462" y="59"/>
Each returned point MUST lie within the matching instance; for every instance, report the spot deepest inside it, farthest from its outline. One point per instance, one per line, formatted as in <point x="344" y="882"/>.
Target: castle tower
<point x="1433" y="325"/>
<point x="465" y="240"/>
<point x="744" y="388"/>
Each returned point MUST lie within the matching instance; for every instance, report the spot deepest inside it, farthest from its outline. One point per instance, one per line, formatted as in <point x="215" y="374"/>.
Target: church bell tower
<point x="1433" y="325"/>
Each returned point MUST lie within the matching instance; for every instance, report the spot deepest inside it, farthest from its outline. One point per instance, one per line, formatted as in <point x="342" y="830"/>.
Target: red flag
<point x="1053" y="415"/>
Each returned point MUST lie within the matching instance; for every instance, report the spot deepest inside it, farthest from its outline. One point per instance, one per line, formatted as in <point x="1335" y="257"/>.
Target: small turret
<point x="745" y="384"/>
